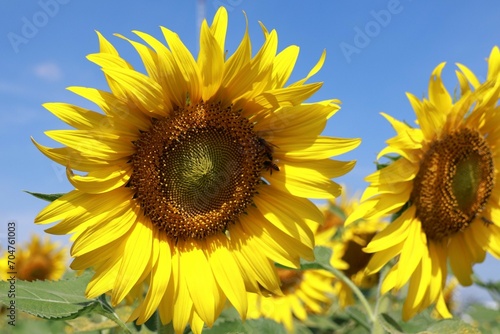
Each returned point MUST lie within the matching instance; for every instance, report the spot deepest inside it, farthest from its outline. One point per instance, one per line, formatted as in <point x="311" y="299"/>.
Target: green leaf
<point x="250" y="326"/>
<point x="486" y="318"/>
<point x="55" y="300"/>
<point x="321" y="322"/>
<point x="358" y="316"/>
<point x="451" y="326"/>
<point x="389" y="324"/>
<point x="63" y="299"/>
<point x="322" y="257"/>
<point x="45" y="197"/>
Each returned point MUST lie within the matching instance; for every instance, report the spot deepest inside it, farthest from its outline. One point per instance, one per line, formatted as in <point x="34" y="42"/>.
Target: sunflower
<point x="347" y="244"/>
<point x="36" y="260"/>
<point x="196" y="175"/>
<point x="304" y="291"/>
<point x="443" y="184"/>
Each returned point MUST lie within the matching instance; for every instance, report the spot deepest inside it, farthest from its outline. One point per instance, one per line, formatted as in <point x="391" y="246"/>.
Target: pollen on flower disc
<point x="195" y="171"/>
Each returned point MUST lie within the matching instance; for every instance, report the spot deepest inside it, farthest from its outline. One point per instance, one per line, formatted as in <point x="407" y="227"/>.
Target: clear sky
<point x="376" y="51"/>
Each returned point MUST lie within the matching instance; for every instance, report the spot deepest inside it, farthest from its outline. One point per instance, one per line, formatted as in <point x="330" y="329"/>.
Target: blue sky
<point x="376" y="51"/>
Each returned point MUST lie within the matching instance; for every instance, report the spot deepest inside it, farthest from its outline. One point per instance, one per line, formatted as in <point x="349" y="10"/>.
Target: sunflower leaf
<point x="451" y="326"/>
<point x="358" y="316"/>
<point x="389" y="324"/>
<point x="54" y="300"/>
<point x="45" y="197"/>
<point x="250" y="326"/>
<point x="322" y="257"/>
<point x="63" y="299"/>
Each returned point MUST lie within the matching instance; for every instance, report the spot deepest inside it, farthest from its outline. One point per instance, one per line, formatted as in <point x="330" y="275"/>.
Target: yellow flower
<point x="36" y="260"/>
<point x="445" y="186"/>
<point x="196" y="176"/>
<point x="304" y="292"/>
<point x="347" y="244"/>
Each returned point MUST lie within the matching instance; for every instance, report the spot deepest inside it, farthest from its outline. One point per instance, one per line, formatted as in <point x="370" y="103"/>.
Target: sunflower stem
<point x="371" y="315"/>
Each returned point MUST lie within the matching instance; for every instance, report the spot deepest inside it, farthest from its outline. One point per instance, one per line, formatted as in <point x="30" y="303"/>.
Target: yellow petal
<point x="469" y="75"/>
<point x="75" y="116"/>
<point x="237" y="61"/>
<point x="297" y="121"/>
<point x="460" y="259"/>
<point x="136" y="255"/>
<point x="284" y="64"/>
<point x="254" y="262"/>
<point x="276" y="207"/>
<point x="285" y="97"/>
<point x="319" y="149"/>
<point x="146" y="93"/>
<point x="89" y="214"/>
<point x="219" y="26"/>
<point x="254" y="77"/>
<point x="159" y="279"/>
<point x="67" y="156"/>
<point x="186" y="63"/>
<point x="117" y="224"/>
<point x="200" y="281"/>
<point x="412" y="253"/>
<point x="395" y="233"/>
<point x="170" y="76"/>
<point x="105" y="274"/>
<point x="313" y="71"/>
<point x="115" y="107"/>
<point x="105" y="46"/>
<point x="438" y="94"/>
<point x="101" y="180"/>
<point x="182" y="302"/>
<point x="104" y="145"/>
<point x="276" y="244"/>
<point x="380" y="259"/>
<point x="210" y="62"/>
<point x="226" y="272"/>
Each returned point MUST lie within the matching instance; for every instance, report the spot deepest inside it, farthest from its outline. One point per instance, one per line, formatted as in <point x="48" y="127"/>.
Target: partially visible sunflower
<point x="304" y="292"/>
<point x="196" y="176"/>
<point x="36" y="260"/>
<point x="444" y="184"/>
<point x="347" y="243"/>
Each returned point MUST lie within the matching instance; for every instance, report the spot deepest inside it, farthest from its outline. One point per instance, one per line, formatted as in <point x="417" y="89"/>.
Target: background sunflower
<point x="35" y="260"/>
<point x="347" y="243"/>
<point x="444" y="187"/>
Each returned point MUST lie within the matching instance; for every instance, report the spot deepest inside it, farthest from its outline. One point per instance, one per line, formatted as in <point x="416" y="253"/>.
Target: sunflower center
<point x="354" y="255"/>
<point x="290" y="279"/>
<point x="197" y="170"/>
<point x="454" y="183"/>
<point x="38" y="268"/>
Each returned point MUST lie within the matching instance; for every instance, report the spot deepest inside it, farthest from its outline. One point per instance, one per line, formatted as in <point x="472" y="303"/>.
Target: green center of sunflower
<point x="197" y="170"/>
<point x="454" y="183"/>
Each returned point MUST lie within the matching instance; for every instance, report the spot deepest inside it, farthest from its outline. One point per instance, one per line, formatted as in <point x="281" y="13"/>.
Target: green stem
<point x="340" y="275"/>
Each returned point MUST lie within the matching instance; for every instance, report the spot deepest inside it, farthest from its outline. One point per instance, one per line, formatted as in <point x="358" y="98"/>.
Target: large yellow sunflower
<point x="196" y="176"/>
<point x="36" y="260"/>
<point x="445" y="186"/>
